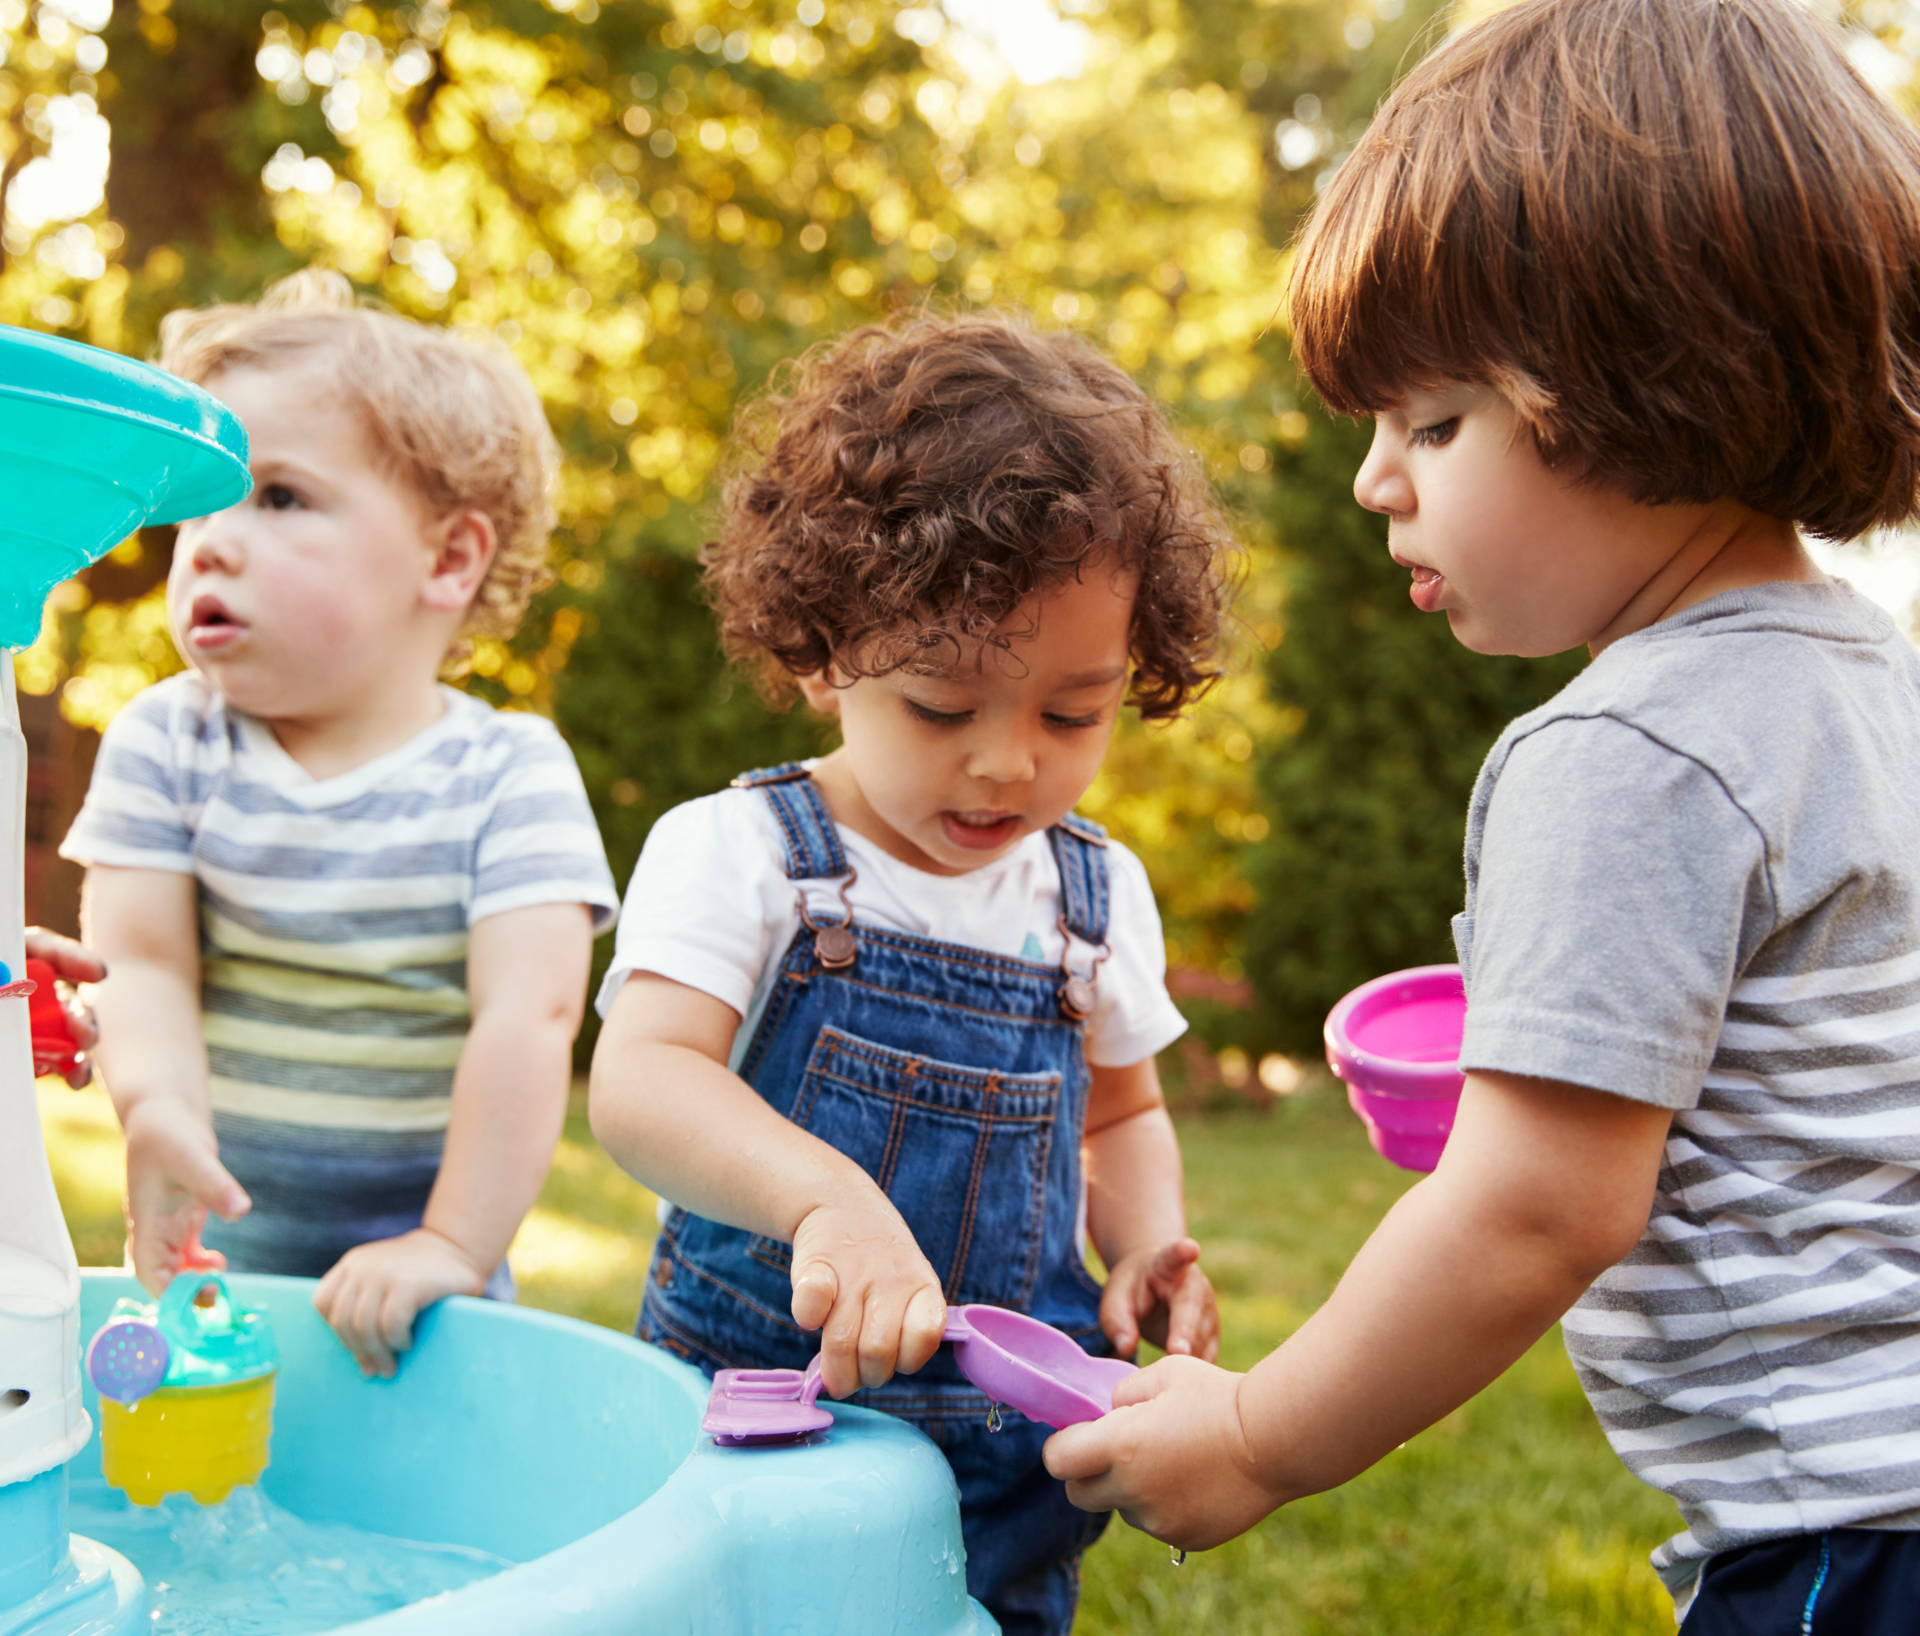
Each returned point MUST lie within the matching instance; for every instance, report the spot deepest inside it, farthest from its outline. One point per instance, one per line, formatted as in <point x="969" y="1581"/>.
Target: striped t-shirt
<point x="334" y="916"/>
<point x="1693" y="879"/>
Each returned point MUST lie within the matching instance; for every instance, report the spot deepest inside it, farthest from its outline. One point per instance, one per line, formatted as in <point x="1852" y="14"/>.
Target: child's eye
<point x="938" y="718"/>
<point x="1432" y="437"/>
<point x="278" y="497"/>
<point x="1073" y="721"/>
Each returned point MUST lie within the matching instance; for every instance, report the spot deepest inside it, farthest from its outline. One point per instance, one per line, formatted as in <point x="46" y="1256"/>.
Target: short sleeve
<point x="136" y="813"/>
<point x="1136" y="1017"/>
<point x="706" y="903"/>
<point x="539" y="843"/>
<point x="1618" y="884"/>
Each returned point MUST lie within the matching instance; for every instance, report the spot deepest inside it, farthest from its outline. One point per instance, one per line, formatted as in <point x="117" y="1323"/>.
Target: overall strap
<point x="1079" y="848"/>
<point x="812" y="838"/>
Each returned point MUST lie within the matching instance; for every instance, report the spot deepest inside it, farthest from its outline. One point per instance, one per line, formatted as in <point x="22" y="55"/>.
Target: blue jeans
<point x="955" y="1077"/>
<point x="1846" y="1582"/>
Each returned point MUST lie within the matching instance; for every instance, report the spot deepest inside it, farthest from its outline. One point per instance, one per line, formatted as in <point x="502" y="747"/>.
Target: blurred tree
<point x="653" y="203"/>
<point x="653" y="206"/>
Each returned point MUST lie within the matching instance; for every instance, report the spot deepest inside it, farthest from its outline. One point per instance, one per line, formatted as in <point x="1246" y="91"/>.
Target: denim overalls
<point x="957" y="1080"/>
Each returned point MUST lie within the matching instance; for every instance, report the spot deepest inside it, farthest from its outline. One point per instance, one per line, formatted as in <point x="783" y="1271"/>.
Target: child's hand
<point x="372" y="1294"/>
<point x="858" y="1273"/>
<point x="1162" y="1296"/>
<point x="174" y="1177"/>
<point x="1172" y="1458"/>
<point x="74" y="963"/>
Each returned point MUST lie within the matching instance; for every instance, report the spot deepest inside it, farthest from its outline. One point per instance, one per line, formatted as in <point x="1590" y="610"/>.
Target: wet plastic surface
<point x="576" y="1454"/>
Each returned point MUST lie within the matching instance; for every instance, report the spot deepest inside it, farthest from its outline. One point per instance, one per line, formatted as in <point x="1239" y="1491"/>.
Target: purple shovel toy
<point x="1014" y="1359"/>
<point x="1396" y="1042"/>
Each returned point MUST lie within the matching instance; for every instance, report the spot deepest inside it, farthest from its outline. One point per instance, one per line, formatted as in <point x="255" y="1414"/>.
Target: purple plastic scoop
<point x="1014" y="1359"/>
<point x="1031" y="1366"/>
<point x="765" y="1405"/>
<point x="127" y="1359"/>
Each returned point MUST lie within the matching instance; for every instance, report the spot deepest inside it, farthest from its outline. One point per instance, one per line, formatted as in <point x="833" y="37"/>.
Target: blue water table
<point x="572" y="1456"/>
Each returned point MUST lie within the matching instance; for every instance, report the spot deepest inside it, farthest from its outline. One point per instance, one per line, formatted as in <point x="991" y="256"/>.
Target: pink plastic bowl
<point x="1396" y="1042"/>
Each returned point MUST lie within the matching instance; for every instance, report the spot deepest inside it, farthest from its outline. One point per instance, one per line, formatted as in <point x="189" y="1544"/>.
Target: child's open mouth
<point x="1428" y="586"/>
<point x="980" y="831"/>
<point x="210" y="627"/>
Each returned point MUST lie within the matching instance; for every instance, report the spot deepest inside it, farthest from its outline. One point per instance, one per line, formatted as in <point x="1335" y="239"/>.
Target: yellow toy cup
<point x="186" y="1392"/>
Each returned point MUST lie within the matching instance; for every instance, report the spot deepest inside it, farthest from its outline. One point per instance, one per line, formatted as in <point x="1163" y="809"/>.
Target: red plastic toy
<point x="54" y="1049"/>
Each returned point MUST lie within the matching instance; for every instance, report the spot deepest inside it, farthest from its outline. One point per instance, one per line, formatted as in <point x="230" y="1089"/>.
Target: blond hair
<point x="456" y="420"/>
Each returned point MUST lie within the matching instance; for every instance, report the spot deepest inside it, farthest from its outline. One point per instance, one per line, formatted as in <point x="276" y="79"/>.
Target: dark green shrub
<point x="656" y="717"/>
<point x="1388" y="721"/>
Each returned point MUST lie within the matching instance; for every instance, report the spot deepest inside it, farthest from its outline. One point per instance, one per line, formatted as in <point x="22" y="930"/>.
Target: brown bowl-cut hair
<point x="897" y="494"/>
<point x="1681" y="237"/>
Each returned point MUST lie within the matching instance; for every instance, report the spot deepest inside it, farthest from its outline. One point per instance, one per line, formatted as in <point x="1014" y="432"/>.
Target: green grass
<point x="1509" y="1517"/>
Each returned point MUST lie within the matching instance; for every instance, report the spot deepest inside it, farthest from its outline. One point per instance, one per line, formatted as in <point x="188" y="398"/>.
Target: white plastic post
<point x="42" y="1424"/>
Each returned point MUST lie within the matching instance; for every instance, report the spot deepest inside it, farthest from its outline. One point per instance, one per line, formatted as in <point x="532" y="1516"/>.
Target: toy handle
<point x="810" y="1382"/>
<point x="958" y="1330"/>
<point x="178" y="1308"/>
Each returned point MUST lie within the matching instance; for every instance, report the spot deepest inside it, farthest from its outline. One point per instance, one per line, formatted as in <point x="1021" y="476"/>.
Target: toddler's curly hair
<point x="454" y="419"/>
<point x="900" y="492"/>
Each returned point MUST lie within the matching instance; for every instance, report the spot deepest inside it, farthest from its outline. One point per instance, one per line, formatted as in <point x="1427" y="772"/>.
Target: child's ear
<point x="818" y="689"/>
<point x="463" y="545"/>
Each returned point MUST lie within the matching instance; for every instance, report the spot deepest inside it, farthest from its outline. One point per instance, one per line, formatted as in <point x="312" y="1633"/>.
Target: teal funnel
<point x="95" y="446"/>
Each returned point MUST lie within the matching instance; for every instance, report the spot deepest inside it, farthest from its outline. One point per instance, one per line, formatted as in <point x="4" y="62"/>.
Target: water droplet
<point x="994" y="1422"/>
<point x="1179" y="1559"/>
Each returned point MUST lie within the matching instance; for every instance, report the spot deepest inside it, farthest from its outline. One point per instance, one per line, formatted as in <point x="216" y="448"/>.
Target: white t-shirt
<point x="710" y="905"/>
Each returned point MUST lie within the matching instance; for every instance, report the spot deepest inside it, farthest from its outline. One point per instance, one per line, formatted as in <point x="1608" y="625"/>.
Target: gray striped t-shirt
<point x="1693" y="879"/>
<point x="333" y="936"/>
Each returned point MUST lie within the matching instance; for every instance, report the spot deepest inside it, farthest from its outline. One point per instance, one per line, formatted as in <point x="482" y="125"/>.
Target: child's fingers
<point x="1170" y="1263"/>
<point x="1148" y="1383"/>
<point x="1080" y="1457"/>
<point x="1120" y="1314"/>
<point x="920" y="1333"/>
<point x="155" y="1245"/>
<point x="73" y="961"/>
<point x="362" y="1335"/>
<point x="840" y="1349"/>
<point x="210" y="1183"/>
<point x="82" y="1024"/>
<point x="1192" y="1317"/>
<point x="816" y="1286"/>
<point x="397" y="1312"/>
<point x="880" y="1326"/>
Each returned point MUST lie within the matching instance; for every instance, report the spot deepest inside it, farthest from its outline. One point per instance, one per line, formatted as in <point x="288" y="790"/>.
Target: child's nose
<point x="214" y="544"/>
<point x="1381" y="483"/>
<point x="1006" y="759"/>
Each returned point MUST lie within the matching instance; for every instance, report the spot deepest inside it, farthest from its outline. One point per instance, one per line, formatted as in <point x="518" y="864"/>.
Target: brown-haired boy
<point x="1631" y="288"/>
<point x="864" y="1012"/>
<point x="347" y="909"/>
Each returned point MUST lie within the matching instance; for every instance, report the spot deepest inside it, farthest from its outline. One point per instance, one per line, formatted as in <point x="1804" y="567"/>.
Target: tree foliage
<point x="654" y="202"/>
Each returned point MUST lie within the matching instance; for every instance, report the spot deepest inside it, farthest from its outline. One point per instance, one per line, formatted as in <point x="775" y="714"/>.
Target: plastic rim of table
<point x="98" y="445"/>
<point x="1407" y="1104"/>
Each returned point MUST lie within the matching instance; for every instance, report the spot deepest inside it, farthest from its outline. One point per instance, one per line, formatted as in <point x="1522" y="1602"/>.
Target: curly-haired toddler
<point x="883" y="1025"/>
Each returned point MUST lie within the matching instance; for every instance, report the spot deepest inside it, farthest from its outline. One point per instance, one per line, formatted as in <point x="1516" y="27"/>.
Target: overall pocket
<point x="962" y="1153"/>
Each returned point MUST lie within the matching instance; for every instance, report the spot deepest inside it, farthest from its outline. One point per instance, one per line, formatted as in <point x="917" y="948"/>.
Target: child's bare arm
<point x="144" y="923"/>
<point x="1137" y="1219"/>
<point x="666" y="1106"/>
<point x="1542" y="1187"/>
<point x="526" y="980"/>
